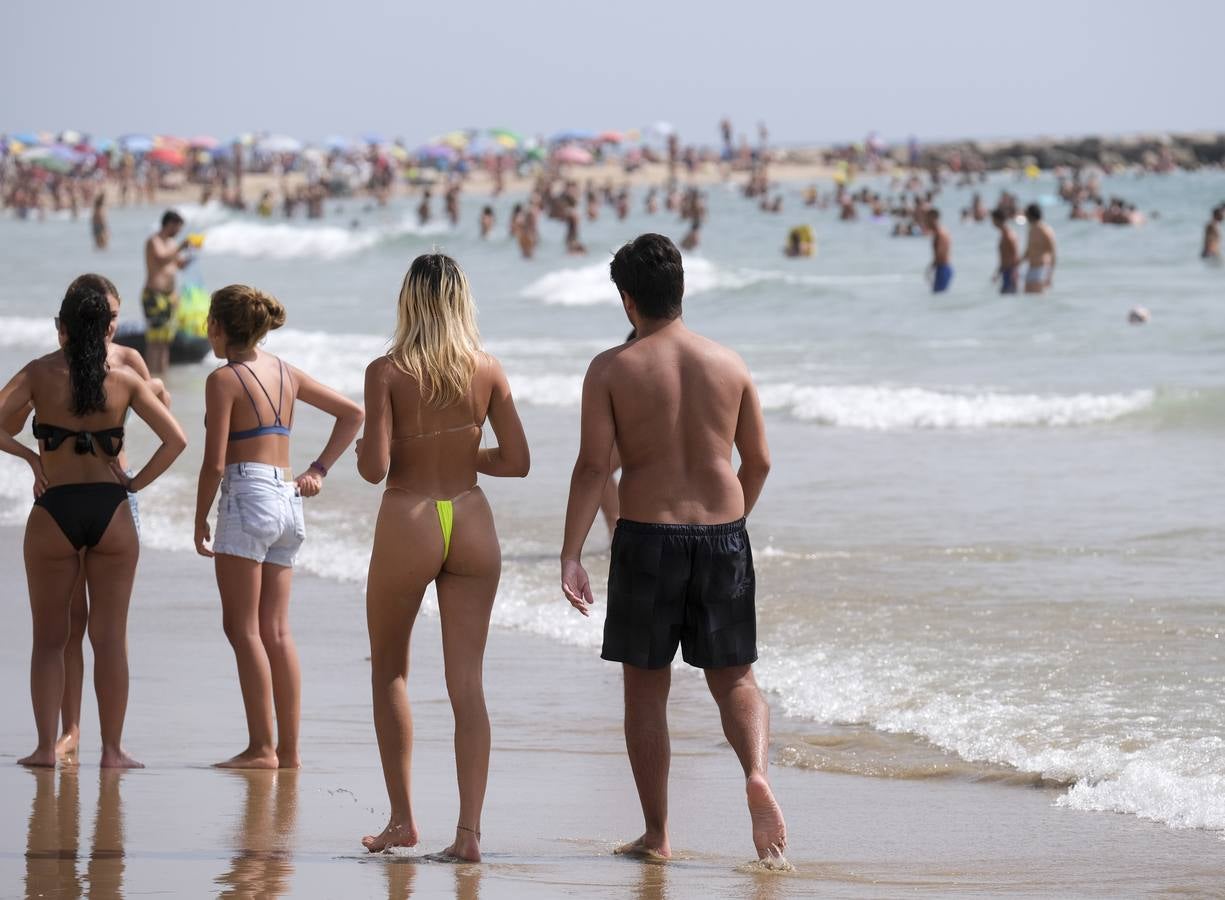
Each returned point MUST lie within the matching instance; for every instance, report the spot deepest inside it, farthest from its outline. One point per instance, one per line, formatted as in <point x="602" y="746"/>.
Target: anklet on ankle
<point x="469" y="830"/>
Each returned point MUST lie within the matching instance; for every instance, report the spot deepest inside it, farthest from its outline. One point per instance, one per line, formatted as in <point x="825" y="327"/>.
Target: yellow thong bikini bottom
<point x="446" y="520"/>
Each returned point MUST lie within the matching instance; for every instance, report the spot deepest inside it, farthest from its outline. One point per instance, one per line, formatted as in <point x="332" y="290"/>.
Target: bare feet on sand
<point x="288" y="760"/>
<point x="466" y="849"/>
<point x="769" y="829"/>
<point x="251" y="759"/>
<point x="649" y="847"/>
<point x="40" y="758"/>
<point x="117" y="758"/>
<point x="394" y="835"/>
<point x="68" y="744"/>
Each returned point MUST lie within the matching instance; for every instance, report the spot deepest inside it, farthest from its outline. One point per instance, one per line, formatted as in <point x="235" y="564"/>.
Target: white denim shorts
<point x="259" y="516"/>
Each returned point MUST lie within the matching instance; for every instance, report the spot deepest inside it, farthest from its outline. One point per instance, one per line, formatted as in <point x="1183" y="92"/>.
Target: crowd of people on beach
<point x="681" y="574"/>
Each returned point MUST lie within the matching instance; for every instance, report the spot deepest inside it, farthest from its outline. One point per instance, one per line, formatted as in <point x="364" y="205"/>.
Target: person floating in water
<point x="1039" y="252"/>
<point x="681" y="575"/>
<point x="941" y="268"/>
<point x="800" y="241"/>
<point x="1010" y="253"/>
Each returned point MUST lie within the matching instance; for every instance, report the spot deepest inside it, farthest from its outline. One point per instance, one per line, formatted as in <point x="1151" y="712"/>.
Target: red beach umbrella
<point x="168" y="156"/>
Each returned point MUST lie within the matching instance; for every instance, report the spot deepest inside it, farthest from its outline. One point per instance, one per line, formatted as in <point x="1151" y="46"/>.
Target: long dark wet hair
<point x="85" y="317"/>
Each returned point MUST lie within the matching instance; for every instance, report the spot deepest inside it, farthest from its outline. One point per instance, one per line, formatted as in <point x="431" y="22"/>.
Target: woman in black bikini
<point x="81" y="516"/>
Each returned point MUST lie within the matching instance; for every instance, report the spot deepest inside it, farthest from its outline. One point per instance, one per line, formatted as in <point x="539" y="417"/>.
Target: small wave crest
<point x="27" y="331"/>
<point x="887" y="408"/>
<point x="251" y="240"/>
<point x="590" y="285"/>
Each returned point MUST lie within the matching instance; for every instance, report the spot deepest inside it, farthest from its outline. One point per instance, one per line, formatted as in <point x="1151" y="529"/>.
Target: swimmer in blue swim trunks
<point x="1039" y="252"/>
<point x="942" y="246"/>
<point x="1010" y="254"/>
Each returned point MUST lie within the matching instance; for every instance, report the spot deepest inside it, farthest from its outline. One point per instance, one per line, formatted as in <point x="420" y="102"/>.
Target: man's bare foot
<point x="68" y="744"/>
<point x="117" y="758"/>
<point x="251" y="759"/>
<point x="649" y="847"/>
<point x="769" y="829"/>
<point x="288" y="760"/>
<point x="40" y="758"/>
<point x="393" y="835"/>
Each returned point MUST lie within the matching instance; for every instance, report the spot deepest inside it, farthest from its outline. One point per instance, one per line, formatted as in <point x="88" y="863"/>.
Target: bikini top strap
<point x="233" y="367"/>
<point x="280" y="396"/>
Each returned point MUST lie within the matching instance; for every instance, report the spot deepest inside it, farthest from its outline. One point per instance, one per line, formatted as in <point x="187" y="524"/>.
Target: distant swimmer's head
<point x="172" y="223"/>
<point x="1138" y="315"/>
<point x="650" y="277"/>
<point x="1033" y="212"/>
<point x="998" y="218"/>
<point x="933" y="216"/>
<point x="239" y="317"/>
<point x="437" y="341"/>
<point x="84" y="323"/>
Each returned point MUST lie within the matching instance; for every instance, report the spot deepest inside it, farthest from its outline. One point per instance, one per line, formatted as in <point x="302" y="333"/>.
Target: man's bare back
<point x="676" y="402"/>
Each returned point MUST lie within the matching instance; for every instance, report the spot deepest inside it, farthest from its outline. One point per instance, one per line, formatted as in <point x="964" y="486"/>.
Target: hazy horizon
<point x="940" y="71"/>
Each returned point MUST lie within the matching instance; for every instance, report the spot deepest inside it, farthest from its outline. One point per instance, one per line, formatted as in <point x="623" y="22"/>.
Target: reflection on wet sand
<point x="263" y="859"/>
<point x="53" y="842"/>
<point x="652" y="881"/>
<point x="401" y="873"/>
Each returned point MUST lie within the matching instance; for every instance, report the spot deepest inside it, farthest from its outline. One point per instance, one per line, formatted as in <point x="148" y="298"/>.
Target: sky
<point x="813" y="71"/>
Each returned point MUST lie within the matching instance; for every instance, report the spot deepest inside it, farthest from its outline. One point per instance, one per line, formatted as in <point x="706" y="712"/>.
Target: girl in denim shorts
<point x="249" y="405"/>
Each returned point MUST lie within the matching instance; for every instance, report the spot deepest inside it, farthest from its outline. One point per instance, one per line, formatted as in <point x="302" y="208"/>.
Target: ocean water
<point x="991" y="545"/>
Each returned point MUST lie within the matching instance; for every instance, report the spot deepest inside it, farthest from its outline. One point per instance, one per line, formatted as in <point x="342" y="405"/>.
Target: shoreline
<point x="560" y="798"/>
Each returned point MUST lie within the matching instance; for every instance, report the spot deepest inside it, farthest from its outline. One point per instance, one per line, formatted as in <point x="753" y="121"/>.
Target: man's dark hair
<point x="1033" y="212"/>
<point x="648" y="269"/>
<point x="997" y="216"/>
<point x="170" y="217"/>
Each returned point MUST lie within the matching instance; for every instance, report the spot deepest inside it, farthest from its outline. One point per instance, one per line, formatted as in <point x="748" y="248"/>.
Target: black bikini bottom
<point x="83" y="511"/>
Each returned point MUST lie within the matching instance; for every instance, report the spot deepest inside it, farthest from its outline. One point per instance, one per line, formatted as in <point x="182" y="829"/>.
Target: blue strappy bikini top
<point x="277" y="426"/>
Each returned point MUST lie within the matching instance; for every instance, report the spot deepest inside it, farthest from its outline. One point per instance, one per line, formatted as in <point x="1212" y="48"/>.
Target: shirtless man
<point x="1212" y="235"/>
<point x="1010" y="254"/>
<point x="942" y="247"/>
<point x="1039" y="252"/>
<point x="159" y="297"/>
<point x="117" y="356"/>
<point x="674" y="404"/>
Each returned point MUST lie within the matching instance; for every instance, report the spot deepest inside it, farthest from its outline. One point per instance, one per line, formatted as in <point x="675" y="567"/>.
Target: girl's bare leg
<point x="282" y="656"/>
<point x="466" y="590"/>
<point x="394" y="590"/>
<point x="52" y="567"/>
<point x="239" y="581"/>
<point x="74" y="673"/>
<point x="110" y="570"/>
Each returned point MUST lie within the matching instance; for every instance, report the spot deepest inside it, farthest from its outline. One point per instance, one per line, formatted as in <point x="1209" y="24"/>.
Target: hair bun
<point x="275" y="310"/>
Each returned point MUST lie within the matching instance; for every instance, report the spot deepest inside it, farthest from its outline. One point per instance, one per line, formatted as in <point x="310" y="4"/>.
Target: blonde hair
<point x="436" y="340"/>
<point x="245" y="314"/>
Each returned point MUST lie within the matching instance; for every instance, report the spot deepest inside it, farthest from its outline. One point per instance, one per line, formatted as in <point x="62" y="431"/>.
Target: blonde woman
<point x="249" y="409"/>
<point x="426" y="403"/>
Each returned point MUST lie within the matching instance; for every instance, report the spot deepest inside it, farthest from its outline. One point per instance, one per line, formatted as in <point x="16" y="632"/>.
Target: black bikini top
<point x="109" y="439"/>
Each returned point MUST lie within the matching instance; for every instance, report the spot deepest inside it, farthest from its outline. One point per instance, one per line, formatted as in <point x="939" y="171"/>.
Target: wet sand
<point x="561" y="796"/>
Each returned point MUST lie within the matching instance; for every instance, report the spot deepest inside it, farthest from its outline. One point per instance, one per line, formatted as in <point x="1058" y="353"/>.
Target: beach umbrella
<point x="572" y="154"/>
<point x="168" y="156"/>
<point x="337" y="142"/>
<point x="101" y="145"/>
<point x="29" y="138"/>
<point x="574" y="134"/>
<point x="169" y="142"/>
<point x="456" y="139"/>
<point x="373" y="137"/>
<point x="610" y="137"/>
<point x="436" y="153"/>
<point x="506" y="138"/>
<point x="203" y="142"/>
<point x="136" y="143"/>
<point x="72" y="138"/>
<point x="663" y="129"/>
<point x="46" y="158"/>
<point x="278" y="143"/>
